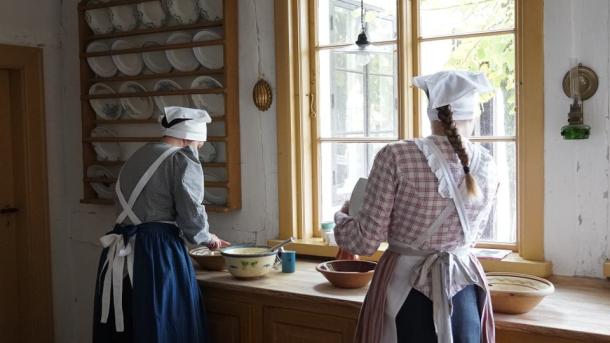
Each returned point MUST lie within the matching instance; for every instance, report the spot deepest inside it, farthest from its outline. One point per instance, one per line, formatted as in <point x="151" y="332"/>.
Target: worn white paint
<point x="576" y="172"/>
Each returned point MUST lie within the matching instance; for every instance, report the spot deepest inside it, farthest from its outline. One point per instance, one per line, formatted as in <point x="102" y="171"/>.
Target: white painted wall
<point x="576" y="172"/>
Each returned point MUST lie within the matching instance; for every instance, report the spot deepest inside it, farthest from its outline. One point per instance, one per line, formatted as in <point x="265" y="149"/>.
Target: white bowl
<point x="109" y="108"/>
<point x="98" y="21"/>
<point x="210" y="10"/>
<point x="156" y="61"/>
<point x="169" y="100"/>
<point x="106" y="151"/>
<point x="211" y="56"/>
<point x="129" y="64"/>
<point x="102" y="65"/>
<point x="151" y="14"/>
<point x="123" y="18"/>
<point x="181" y="59"/>
<point x="136" y="107"/>
<point x="182" y="11"/>
<point x="248" y="262"/>
<point x="213" y="103"/>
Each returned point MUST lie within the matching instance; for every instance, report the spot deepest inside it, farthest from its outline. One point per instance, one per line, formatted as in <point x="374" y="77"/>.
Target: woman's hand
<point x="216" y="243"/>
<point x="346" y="255"/>
<point x="345" y="207"/>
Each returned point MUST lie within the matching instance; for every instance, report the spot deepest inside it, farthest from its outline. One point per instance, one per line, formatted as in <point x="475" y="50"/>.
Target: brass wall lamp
<point x="579" y="84"/>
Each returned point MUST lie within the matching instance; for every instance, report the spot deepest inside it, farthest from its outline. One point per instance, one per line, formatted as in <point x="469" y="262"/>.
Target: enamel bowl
<point x="517" y="293"/>
<point x="208" y="259"/>
<point x="347" y="273"/>
<point x="248" y="262"/>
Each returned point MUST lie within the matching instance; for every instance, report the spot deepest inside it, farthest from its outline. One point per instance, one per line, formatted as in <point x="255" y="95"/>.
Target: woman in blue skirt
<point x="146" y="289"/>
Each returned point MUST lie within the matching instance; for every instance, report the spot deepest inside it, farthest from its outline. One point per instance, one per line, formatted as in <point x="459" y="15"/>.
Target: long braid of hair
<point x="446" y="117"/>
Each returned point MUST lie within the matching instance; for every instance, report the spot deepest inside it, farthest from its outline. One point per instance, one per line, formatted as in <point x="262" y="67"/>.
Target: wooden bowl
<point x="515" y="293"/>
<point x="347" y="273"/>
<point x="208" y="259"/>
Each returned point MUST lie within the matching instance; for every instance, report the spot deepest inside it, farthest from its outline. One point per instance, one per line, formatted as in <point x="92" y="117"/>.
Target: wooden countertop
<point x="579" y="308"/>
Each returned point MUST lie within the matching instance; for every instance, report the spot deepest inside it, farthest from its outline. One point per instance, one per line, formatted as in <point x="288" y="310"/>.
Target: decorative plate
<point x="207" y="153"/>
<point x="182" y="11"/>
<point x="123" y="18"/>
<point x="102" y="65"/>
<point x="169" y="100"/>
<point x="156" y="61"/>
<point x="181" y="59"/>
<point x="213" y="103"/>
<point x="106" y="151"/>
<point x="109" y="108"/>
<point x="215" y="196"/>
<point x="104" y="190"/>
<point x="211" y="57"/>
<point x="136" y="107"/>
<point x="151" y="14"/>
<point x="128" y="64"/>
<point x="210" y="10"/>
<point x="98" y="21"/>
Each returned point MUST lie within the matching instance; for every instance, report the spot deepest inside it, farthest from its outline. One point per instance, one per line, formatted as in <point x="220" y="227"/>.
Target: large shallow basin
<point x="517" y="293"/>
<point x="208" y="259"/>
<point x="248" y="262"/>
<point x="347" y="273"/>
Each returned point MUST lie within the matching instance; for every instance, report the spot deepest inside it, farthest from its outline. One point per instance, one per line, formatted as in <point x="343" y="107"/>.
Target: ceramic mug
<point x="289" y="261"/>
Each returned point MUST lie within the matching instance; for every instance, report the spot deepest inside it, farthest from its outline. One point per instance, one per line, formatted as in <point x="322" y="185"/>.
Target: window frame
<point x="296" y="133"/>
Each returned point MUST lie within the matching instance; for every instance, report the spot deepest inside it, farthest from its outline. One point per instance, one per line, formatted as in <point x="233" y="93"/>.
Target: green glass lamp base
<point x="576" y="131"/>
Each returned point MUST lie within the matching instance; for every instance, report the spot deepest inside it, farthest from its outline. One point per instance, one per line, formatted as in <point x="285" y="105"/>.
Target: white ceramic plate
<point x="212" y="176"/>
<point x="213" y="103"/>
<point x="156" y="61"/>
<point x="207" y="153"/>
<point x="99" y="21"/>
<point x="108" y="109"/>
<point x="123" y="18"/>
<point x="182" y="11"/>
<point x="171" y="100"/>
<point x="151" y="14"/>
<point x="210" y="10"/>
<point x="128" y="64"/>
<point x="215" y="196"/>
<point x="181" y="59"/>
<point x="104" y="190"/>
<point x="136" y="107"/>
<point x="102" y="65"/>
<point x="211" y="57"/>
<point x="106" y="151"/>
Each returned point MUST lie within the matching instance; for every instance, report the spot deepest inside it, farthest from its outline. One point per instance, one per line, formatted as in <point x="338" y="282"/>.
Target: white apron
<point x="415" y="264"/>
<point x="119" y="251"/>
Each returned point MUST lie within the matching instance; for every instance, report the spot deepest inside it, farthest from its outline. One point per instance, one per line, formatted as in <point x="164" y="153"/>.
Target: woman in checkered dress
<point x="430" y="199"/>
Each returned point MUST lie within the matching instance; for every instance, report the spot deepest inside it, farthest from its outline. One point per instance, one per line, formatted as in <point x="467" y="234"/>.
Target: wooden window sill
<point x="511" y="263"/>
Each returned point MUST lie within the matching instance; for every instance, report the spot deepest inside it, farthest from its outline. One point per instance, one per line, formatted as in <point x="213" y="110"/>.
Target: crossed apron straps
<point x="120" y="251"/>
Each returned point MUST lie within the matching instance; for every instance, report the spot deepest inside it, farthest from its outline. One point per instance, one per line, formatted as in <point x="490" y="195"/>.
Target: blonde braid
<point x="446" y="117"/>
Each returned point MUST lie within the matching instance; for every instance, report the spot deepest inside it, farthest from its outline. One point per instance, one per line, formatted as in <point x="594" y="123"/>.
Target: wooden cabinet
<point x="190" y="85"/>
<point x="292" y="325"/>
<point x="229" y="321"/>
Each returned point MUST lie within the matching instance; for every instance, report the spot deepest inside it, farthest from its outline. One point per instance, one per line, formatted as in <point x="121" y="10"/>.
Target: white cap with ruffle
<point x="185" y="123"/>
<point x="456" y="88"/>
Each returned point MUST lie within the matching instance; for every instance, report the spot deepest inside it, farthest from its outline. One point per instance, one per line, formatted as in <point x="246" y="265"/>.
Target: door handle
<point x="8" y="210"/>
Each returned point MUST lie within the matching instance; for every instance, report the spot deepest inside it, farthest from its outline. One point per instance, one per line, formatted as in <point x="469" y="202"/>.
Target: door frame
<point x="25" y="66"/>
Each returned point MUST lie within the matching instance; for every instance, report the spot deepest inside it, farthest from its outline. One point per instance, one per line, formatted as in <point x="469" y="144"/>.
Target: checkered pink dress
<point x="402" y="200"/>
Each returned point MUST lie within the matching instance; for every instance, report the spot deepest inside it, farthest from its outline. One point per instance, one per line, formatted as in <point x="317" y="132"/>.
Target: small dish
<point x="156" y="61"/>
<point x="207" y="153"/>
<point x="515" y="293"/>
<point x="182" y="11"/>
<point x="151" y="14"/>
<point x="181" y="59"/>
<point x="98" y="20"/>
<point x="136" y="107"/>
<point x="104" y="190"/>
<point x="129" y="64"/>
<point x="123" y="18"/>
<point x="208" y="259"/>
<point x="106" y="151"/>
<point x="211" y="57"/>
<point x="347" y="273"/>
<point x="169" y="100"/>
<point x="210" y="10"/>
<point x="103" y="66"/>
<point x="109" y="108"/>
<point x="213" y="103"/>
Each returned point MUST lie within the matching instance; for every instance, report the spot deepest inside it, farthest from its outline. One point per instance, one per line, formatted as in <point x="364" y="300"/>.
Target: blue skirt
<point x="164" y="304"/>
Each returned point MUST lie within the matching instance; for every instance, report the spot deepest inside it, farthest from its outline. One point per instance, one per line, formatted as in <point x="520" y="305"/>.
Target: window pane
<point x="450" y="17"/>
<point x="503" y="224"/>
<point x="339" y="20"/>
<point x="341" y="165"/>
<point x="494" y="55"/>
<point x="356" y="100"/>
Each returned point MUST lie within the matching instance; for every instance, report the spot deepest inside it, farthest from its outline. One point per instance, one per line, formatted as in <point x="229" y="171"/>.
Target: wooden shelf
<point x="208" y="208"/>
<point x="155" y="93"/>
<point x="161" y="47"/>
<point x="141" y="121"/>
<point x="146" y="31"/>
<point x="211" y="184"/>
<point x="198" y="72"/>
<point x="120" y="163"/>
<point x="83" y="6"/>
<point x="142" y="139"/>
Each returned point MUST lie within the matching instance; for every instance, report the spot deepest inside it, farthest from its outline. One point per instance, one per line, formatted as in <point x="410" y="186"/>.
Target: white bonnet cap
<point x="456" y="88"/>
<point x="185" y="123"/>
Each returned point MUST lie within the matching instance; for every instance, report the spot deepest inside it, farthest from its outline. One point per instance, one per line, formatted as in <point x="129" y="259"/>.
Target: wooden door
<point x="230" y="322"/>
<point x="285" y="325"/>
<point x="9" y="286"/>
